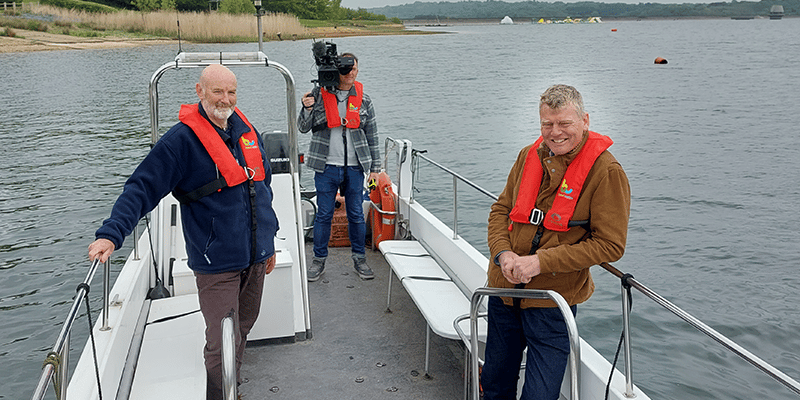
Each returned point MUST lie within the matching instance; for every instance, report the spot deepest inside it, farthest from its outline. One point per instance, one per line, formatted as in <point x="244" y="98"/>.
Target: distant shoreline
<point x="527" y="20"/>
<point x="29" y="41"/>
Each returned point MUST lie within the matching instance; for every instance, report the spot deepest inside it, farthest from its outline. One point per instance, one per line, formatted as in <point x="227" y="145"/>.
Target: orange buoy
<point x="660" y="60"/>
<point x="613" y="29"/>
<point x="382" y="223"/>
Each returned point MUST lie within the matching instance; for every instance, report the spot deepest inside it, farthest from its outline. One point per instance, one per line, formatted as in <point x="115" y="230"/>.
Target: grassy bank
<point x="201" y="27"/>
<point x="196" y="27"/>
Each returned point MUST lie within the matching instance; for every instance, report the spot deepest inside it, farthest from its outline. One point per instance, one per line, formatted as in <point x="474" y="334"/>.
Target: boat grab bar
<point x="228" y="357"/>
<point x="569" y="319"/>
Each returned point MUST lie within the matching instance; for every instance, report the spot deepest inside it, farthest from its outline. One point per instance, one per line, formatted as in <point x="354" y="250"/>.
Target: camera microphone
<point x="319" y="50"/>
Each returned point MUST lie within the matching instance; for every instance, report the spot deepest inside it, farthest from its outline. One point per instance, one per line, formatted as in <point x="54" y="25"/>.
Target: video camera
<point x="329" y="64"/>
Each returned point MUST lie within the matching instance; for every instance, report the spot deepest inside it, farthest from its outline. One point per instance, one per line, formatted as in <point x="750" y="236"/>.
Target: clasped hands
<point x="519" y="269"/>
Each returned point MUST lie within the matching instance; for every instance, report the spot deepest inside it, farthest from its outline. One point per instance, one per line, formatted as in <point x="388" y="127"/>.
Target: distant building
<point x="776" y="12"/>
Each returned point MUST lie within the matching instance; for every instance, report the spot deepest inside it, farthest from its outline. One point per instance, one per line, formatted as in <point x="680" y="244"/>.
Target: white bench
<point x="440" y="291"/>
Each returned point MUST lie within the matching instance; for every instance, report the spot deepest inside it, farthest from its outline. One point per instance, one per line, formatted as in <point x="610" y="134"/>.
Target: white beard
<point x="222" y="113"/>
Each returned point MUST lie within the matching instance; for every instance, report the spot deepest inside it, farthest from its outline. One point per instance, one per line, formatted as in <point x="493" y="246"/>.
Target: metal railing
<point x="251" y="59"/>
<point x="228" y="357"/>
<point x="572" y="329"/>
<point x="627" y="279"/>
<point x="56" y="364"/>
<point x="417" y="155"/>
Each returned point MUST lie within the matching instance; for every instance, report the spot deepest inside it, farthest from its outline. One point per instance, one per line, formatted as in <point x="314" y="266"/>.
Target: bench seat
<point x="435" y="293"/>
<point x="409" y="259"/>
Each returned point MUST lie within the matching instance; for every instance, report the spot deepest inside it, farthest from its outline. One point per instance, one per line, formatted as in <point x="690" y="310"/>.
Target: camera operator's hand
<point x="308" y="101"/>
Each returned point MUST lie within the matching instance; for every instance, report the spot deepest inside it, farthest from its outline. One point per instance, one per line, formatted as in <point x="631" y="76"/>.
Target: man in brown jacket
<point x="564" y="208"/>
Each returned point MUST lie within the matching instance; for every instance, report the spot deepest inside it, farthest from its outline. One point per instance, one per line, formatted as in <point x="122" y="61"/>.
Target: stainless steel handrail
<point x="770" y="370"/>
<point x="416" y="155"/>
<point x="228" y="358"/>
<point x="569" y="319"/>
<point x="57" y="359"/>
<point x="201" y="60"/>
<point x="775" y="373"/>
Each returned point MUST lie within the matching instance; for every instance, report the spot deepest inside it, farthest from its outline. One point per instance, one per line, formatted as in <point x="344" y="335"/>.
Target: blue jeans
<point x="350" y="181"/>
<point x="544" y="332"/>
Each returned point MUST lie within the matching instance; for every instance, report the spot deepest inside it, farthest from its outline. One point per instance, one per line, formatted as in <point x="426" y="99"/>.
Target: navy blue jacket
<point x="216" y="227"/>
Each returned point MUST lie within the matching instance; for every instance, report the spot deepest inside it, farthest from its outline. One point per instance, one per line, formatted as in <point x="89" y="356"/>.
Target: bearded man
<point x="214" y="163"/>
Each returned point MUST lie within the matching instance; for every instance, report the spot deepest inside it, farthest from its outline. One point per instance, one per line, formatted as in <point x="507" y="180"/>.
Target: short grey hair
<point x="558" y="96"/>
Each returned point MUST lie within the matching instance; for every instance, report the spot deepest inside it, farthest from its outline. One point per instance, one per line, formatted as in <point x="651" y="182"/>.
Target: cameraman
<point x="344" y="146"/>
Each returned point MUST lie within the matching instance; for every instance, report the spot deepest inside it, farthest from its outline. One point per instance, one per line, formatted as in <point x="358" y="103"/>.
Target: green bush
<point x="34" y="25"/>
<point x="80" y="5"/>
<point x="237" y="7"/>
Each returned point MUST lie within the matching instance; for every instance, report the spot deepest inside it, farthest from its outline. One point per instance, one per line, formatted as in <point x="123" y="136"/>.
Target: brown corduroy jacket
<point x="565" y="257"/>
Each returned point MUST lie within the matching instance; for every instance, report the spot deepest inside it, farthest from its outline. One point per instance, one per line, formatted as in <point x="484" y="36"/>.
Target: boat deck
<point x="358" y="350"/>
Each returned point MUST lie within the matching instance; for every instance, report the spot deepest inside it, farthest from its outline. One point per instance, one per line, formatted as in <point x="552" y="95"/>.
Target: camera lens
<point x="345" y="70"/>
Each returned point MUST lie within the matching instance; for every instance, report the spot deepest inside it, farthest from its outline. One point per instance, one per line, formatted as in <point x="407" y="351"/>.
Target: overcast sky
<point x="355" y="4"/>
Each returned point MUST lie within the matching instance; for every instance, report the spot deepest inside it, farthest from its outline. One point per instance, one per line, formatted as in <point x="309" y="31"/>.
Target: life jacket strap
<point x="203" y="191"/>
<point x="537" y="217"/>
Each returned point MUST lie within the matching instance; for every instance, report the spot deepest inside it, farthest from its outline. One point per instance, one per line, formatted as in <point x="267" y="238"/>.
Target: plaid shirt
<point x="365" y="137"/>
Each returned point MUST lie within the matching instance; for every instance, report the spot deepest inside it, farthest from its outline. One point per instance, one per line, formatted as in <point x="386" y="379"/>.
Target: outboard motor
<point x="276" y="145"/>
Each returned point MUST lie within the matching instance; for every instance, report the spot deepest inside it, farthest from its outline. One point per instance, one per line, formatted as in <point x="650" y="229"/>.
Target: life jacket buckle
<point x="344" y="122"/>
<point x="537" y="216"/>
<point x="250" y="172"/>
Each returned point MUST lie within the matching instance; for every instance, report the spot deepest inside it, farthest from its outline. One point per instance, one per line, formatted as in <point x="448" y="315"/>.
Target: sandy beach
<point x="26" y="40"/>
<point x="40" y="41"/>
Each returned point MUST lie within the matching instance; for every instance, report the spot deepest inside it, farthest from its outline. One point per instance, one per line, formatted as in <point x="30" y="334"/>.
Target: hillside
<point x="558" y="10"/>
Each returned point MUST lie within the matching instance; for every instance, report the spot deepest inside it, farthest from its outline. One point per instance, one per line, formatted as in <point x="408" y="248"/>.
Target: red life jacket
<point x="557" y="218"/>
<point x="232" y="173"/>
<point x="352" y="119"/>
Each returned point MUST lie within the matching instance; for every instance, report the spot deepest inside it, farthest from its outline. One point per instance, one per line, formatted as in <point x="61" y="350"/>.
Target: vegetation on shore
<point x="87" y="19"/>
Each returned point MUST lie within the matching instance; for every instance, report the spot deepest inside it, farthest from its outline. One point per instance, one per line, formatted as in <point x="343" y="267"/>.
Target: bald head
<point x="216" y="89"/>
<point x="216" y="73"/>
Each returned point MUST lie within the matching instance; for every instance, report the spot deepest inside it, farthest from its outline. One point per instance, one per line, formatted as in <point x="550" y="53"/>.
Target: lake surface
<point x="709" y="143"/>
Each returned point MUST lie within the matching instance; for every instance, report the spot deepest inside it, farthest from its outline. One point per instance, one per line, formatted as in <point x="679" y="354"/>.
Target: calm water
<point x="708" y="141"/>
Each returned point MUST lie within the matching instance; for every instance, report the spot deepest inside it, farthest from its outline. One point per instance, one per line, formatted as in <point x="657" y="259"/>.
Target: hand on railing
<point x="101" y="249"/>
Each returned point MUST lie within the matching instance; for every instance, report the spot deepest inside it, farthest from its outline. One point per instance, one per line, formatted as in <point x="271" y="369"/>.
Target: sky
<point x="355" y="4"/>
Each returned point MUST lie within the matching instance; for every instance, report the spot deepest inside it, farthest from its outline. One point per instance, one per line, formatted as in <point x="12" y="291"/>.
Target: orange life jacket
<point x="352" y="119"/>
<point x="557" y="218"/>
<point x="232" y="173"/>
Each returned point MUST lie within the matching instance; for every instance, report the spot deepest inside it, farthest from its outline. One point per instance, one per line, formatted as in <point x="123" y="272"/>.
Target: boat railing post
<point x="259" y="13"/>
<point x="455" y="207"/>
<point x="228" y="358"/>
<point x="106" y="288"/>
<point x="414" y="172"/>
<point x="626" y="332"/>
<point x="136" y="242"/>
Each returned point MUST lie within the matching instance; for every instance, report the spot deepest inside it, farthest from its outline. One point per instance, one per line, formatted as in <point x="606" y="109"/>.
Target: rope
<point x="55" y="360"/>
<point x="91" y="336"/>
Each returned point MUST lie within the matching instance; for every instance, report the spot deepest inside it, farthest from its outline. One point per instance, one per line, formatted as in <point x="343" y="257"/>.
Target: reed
<point x="195" y="26"/>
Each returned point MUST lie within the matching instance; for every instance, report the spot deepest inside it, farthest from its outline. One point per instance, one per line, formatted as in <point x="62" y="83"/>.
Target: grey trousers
<point x="239" y="291"/>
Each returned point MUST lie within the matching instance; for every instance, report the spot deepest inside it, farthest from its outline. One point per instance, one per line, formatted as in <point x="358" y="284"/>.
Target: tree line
<point x="303" y="9"/>
<point x="494" y="9"/>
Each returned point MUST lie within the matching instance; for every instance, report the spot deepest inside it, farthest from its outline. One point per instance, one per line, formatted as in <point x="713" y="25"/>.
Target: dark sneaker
<point x="315" y="269"/>
<point x="360" y="264"/>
